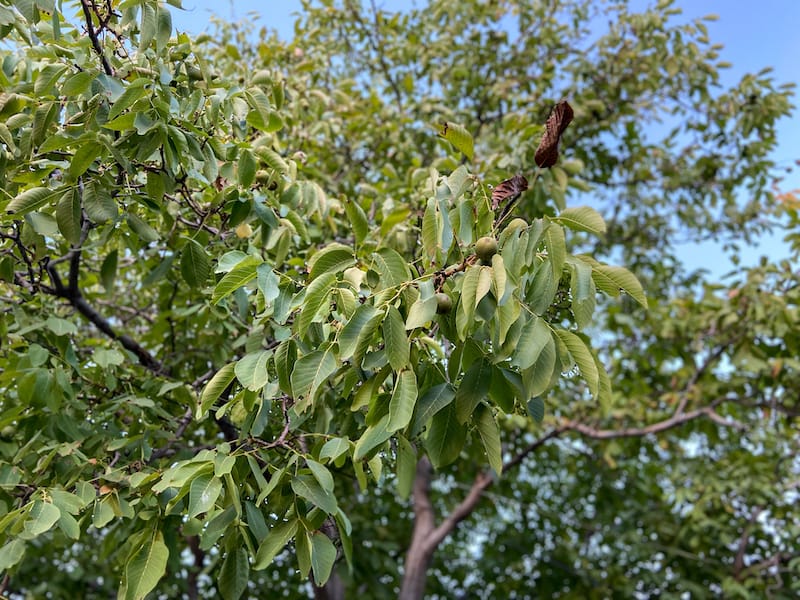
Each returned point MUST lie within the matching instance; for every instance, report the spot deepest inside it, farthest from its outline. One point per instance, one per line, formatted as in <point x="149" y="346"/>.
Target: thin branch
<point x="88" y="6"/>
<point x="532" y="447"/>
<point x="738" y="562"/>
<point x="701" y="370"/>
<point x="374" y="42"/>
<point x="670" y="423"/>
<point x="483" y="480"/>
<point x="183" y="424"/>
<point x="464" y="509"/>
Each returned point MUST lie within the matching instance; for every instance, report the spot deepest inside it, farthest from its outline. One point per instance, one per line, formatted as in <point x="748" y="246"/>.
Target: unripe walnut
<point x="486" y="248"/>
<point x="443" y="303"/>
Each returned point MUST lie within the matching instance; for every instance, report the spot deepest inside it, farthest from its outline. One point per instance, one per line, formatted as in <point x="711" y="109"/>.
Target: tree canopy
<point x="391" y="308"/>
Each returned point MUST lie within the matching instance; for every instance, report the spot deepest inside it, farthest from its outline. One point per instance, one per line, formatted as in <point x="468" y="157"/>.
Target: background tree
<point x="224" y="370"/>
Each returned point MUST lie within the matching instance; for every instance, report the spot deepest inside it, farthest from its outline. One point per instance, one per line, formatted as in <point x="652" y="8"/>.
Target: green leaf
<point x="392" y="267"/>
<point x="68" y="217"/>
<point x="445" y="438"/>
<point x="47" y="78"/>
<point x="543" y="288"/>
<point x="432" y="230"/>
<point x="406" y="467"/>
<point x="534" y="337"/>
<point x="404" y="397"/>
<point x="285" y="358"/>
<point x="148" y="25"/>
<point x="611" y="280"/>
<point x="583" y="358"/>
<point x="216" y="527"/>
<point x="251" y="370"/>
<point x="31" y="200"/>
<point x="276" y="541"/>
<point x="363" y="322"/>
<point x="434" y="400"/>
<point x="195" y="265"/>
<point x="11" y="554"/>
<point x="142" y="229"/>
<point x="373" y="436"/>
<point x="163" y="28"/>
<point x="474" y="388"/>
<point x="583" y="292"/>
<point x="469" y="292"/>
<point x="246" y="167"/>
<point x="395" y="339"/>
<point x="302" y="550"/>
<point x="241" y="274"/>
<point x="421" y="313"/>
<point x="323" y="555"/>
<point x="78" y="83"/>
<point x="309" y="489"/>
<point x="358" y="220"/>
<point x="309" y="373"/>
<point x="490" y="436"/>
<point x="234" y="574"/>
<point x="84" y="157"/>
<point x="134" y="92"/>
<point x="317" y="295"/>
<point x="61" y="326"/>
<point x="539" y="377"/>
<point x="214" y="388"/>
<point x="484" y="284"/>
<point x="41" y="518"/>
<point x="334" y="258"/>
<point x="459" y="137"/>
<point x="108" y="270"/>
<point x="98" y="203"/>
<point x="556" y="248"/>
<point x="203" y="493"/>
<point x="582" y="218"/>
<point x="536" y="408"/>
<point x="321" y="474"/>
<point x="145" y="567"/>
<point x="334" y="448"/>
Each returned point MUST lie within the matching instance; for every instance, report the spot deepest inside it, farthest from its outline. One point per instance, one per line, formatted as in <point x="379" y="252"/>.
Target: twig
<point x="738" y="562"/>
<point x="89" y="6"/>
<point x="183" y="423"/>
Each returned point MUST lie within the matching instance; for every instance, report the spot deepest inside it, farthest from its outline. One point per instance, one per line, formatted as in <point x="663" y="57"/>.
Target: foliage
<point x="224" y="369"/>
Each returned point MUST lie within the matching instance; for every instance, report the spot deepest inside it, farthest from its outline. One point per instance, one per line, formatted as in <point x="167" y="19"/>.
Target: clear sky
<point x="754" y="34"/>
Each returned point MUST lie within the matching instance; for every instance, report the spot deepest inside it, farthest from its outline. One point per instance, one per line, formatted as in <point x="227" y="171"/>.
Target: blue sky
<point x="754" y="36"/>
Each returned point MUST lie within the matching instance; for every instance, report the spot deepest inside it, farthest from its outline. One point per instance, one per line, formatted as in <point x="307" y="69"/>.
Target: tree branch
<point x="76" y="299"/>
<point x="738" y="562"/>
<point x="88" y="6"/>
<point x="675" y="420"/>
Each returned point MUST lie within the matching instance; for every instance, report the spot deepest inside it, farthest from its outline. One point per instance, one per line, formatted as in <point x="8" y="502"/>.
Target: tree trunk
<point x="419" y="554"/>
<point x="332" y="590"/>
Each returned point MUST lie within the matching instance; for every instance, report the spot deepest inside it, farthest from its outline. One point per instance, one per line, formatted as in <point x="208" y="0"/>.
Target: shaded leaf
<point x="276" y="541"/>
<point x="445" y="438"/>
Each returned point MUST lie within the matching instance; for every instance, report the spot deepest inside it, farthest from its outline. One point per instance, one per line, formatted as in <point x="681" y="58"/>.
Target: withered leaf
<point x="560" y="117"/>
<point x="509" y="190"/>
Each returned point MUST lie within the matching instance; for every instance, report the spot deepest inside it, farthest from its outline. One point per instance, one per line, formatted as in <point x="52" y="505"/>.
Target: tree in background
<point x="285" y="317"/>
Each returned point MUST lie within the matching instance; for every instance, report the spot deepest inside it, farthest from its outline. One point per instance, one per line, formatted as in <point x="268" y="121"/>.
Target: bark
<point x="419" y="554"/>
<point x="427" y="535"/>
<point x="332" y="590"/>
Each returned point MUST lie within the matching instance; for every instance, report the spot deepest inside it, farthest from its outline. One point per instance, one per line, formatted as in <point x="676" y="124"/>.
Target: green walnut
<point x="486" y="248"/>
<point x="443" y="303"/>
